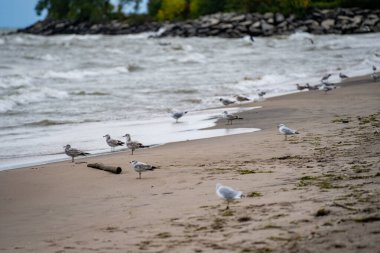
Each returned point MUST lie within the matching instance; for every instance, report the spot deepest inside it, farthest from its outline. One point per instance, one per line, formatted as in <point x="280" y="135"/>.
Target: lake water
<point x="72" y="89"/>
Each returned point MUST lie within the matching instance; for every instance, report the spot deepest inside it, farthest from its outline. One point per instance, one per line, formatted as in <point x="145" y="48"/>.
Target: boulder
<point x="328" y="24"/>
<point x="279" y="18"/>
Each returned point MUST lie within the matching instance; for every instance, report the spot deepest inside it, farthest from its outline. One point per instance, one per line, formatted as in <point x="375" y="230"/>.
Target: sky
<point x="21" y="13"/>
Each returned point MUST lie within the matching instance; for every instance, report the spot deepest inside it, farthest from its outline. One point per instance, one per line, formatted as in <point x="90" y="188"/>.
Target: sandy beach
<point x="316" y="192"/>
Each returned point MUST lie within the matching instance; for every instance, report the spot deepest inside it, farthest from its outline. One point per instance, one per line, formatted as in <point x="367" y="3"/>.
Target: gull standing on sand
<point x="261" y="94"/>
<point x="73" y="152"/>
<point x="226" y="101"/>
<point x="325" y="77"/>
<point x="301" y="87"/>
<point x="286" y="130"/>
<point x="312" y="87"/>
<point x="133" y="145"/>
<point x="342" y="76"/>
<point x="241" y="98"/>
<point x="228" y="194"/>
<point x="230" y="117"/>
<point x="178" y="115"/>
<point x="326" y="88"/>
<point x="112" y="142"/>
<point x="141" y="167"/>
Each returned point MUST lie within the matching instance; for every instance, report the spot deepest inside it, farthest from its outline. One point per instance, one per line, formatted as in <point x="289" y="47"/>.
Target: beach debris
<point x="322" y="212"/>
<point x="73" y="152"/>
<point x="241" y="98"/>
<point x="230" y="117"/>
<point x="226" y="101"/>
<point x="227" y="193"/>
<point x="133" y="145"/>
<point x="141" y="167"/>
<point x="112" y="142"/>
<point x="178" y="115"/>
<point x="286" y="130"/>
<point x="342" y="76"/>
<point x="100" y="166"/>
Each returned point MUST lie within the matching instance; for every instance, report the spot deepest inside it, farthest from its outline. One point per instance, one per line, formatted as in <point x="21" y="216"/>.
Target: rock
<point x="328" y="24"/>
<point x="268" y="15"/>
<point x="267" y="28"/>
<point x="239" y="18"/>
<point x="279" y="18"/>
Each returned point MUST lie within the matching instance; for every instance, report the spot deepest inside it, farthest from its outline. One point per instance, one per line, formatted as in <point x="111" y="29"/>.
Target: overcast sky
<point x="21" y="13"/>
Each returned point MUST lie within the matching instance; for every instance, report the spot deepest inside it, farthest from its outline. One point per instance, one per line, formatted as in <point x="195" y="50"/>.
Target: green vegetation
<point x="103" y="10"/>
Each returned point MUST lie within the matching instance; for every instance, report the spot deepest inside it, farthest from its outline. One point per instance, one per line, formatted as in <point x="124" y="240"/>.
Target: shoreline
<point x="316" y="192"/>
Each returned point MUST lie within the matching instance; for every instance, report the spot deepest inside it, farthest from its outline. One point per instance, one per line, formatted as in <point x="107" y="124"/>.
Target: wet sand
<point x="318" y="191"/>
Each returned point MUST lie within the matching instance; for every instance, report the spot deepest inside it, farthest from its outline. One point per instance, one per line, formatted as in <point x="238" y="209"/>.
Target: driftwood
<point x="100" y="166"/>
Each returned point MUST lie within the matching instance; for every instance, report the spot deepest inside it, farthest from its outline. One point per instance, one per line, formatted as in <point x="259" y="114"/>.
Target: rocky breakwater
<point x="229" y="25"/>
<point x="232" y="25"/>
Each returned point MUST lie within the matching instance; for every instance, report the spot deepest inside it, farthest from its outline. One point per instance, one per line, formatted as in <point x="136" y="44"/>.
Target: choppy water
<point x="74" y="89"/>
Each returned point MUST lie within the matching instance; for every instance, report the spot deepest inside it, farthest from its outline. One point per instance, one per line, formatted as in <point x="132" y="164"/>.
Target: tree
<point x="76" y="10"/>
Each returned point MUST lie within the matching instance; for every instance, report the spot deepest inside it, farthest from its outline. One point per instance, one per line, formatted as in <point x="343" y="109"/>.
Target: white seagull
<point x="73" y="152"/>
<point x="226" y="101"/>
<point x="326" y="88"/>
<point x="112" y="142"/>
<point x="141" y="167"/>
<point x="325" y="77"/>
<point x="342" y="76"/>
<point x="178" y="115"/>
<point x="230" y="117"/>
<point x="241" y="98"/>
<point x="286" y="130"/>
<point x="133" y="145"/>
<point x="228" y="194"/>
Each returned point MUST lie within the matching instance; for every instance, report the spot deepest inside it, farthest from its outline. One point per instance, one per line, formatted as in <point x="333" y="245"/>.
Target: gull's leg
<point x="72" y="159"/>
<point x="139" y="175"/>
<point x="286" y="137"/>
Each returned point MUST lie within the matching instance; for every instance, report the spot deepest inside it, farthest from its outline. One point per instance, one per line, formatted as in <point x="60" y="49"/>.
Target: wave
<point x="95" y="93"/>
<point x="48" y="122"/>
<point x="80" y="74"/>
<point x="28" y="96"/>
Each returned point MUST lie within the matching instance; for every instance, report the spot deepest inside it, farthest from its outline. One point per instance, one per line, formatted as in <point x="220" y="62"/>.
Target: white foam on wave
<point x="80" y="74"/>
<point x="27" y="96"/>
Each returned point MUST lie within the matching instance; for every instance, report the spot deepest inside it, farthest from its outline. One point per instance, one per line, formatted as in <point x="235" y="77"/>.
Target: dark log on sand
<point x="100" y="166"/>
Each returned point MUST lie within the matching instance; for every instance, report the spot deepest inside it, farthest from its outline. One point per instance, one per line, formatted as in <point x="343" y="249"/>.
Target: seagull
<point x="241" y="98"/>
<point x="74" y="152"/>
<point x="112" y="142"/>
<point x="133" y="145"/>
<point x="230" y="117"/>
<point x="326" y="88"/>
<point x="286" y="130"/>
<point x="310" y="87"/>
<point x="325" y="77"/>
<point x="227" y="193"/>
<point x="178" y="115"/>
<point x="375" y="76"/>
<point x="141" y="167"/>
<point x="301" y="87"/>
<point x="374" y="68"/>
<point x="310" y="40"/>
<point x="327" y="83"/>
<point x="342" y="76"/>
<point x="226" y="101"/>
<point x="261" y="94"/>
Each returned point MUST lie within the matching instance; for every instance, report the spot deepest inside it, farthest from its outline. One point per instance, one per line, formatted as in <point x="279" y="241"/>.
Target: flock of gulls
<point x="224" y="192"/>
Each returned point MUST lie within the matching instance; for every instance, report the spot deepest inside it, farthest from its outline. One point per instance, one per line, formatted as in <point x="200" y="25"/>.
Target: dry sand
<point x="316" y="192"/>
